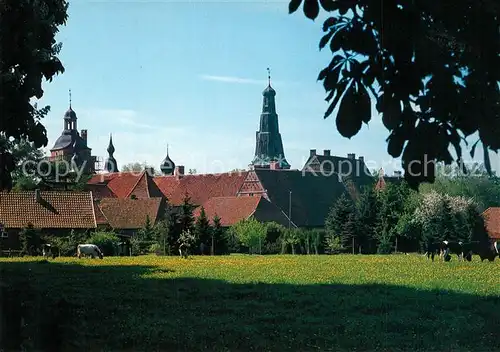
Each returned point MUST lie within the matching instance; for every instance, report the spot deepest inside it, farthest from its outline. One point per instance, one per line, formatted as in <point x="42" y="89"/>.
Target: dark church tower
<point x="269" y="146"/>
<point x="71" y="146"/>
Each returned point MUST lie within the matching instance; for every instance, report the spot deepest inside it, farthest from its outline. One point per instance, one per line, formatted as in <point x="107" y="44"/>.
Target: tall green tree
<point x="147" y="233"/>
<point x="171" y="219"/>
<point x="368" y="217"/>
<point x="219" y="239"/>
<point x="392" y="205"/>
<point x="202" y="232"/>
<point x="341" y="221"/>
<point x="413" y="58"/>
<point x="186" y="216"/>
<point x="28" y="53"/>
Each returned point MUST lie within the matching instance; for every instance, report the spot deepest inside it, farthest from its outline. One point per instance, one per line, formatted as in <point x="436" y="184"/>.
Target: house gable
<point x="252" y="186"/>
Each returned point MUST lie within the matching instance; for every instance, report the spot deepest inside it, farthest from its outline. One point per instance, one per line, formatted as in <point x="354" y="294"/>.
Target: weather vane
<point x="70" y="98"/>
<point x="269" y="76"/>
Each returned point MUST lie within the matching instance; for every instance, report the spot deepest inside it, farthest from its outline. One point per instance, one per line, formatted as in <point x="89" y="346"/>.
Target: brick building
<point x="71" y="146"/>
<point x="51" y="212"/>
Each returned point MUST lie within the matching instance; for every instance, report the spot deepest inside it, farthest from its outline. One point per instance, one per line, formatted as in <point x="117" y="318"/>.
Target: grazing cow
<point x="488" y="250"/>
<point x="49" y="250"/>
<point x="444" y="249"/>
<point x="485" y="250"/>
<point x="452" y="247"/>
<point x="88" y="249"/>
<point x="470" y="248"/>
<point x="437" y="248"/>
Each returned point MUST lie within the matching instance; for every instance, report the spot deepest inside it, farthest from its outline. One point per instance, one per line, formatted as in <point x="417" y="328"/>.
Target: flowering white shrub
<point x="443" y="216"/>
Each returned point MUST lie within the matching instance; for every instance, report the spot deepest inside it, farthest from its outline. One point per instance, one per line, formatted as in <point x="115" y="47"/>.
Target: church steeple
<point x="167" y="166"/>
<point x="70" y="117"/>
<point x="111" y="165"/>
<point x="269" y="146"/>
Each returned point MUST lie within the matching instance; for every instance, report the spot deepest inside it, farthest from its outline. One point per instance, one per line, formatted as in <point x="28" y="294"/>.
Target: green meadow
<point x="251" y="303"/>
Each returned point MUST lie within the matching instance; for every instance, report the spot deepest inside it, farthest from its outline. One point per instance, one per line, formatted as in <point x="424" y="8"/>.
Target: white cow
<point x="88" y="249"/>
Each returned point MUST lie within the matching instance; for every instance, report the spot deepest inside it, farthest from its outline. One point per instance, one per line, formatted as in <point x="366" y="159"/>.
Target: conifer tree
<point x="186" y="216"/>
<point x="202" y="231"/>
<point x="368" y="208"/>
<point x="172" y="219"/>
<point x="445" y="218"/>
<point x="341" y="221"/>
<point x="219" y="240"/>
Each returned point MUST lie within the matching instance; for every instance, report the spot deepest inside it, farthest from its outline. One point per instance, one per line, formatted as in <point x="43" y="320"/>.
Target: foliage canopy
<point x="28" y="53"/>
<point x="432" y="67"/>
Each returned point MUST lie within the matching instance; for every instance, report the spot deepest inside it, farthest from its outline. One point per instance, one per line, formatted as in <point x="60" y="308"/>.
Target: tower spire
<point x="269" y="145"/>
<point x="111" y="165"/>
<point x="167" y="166"/>
<point x="70" y="98"/>
<point x="269" y="77"/>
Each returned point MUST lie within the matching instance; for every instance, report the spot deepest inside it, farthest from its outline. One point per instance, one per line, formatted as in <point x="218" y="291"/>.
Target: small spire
<point x="70" y="98"/>
<point x="111" y="147"/>
<point x="167" y="149"/>
<point x="269" y="76"/>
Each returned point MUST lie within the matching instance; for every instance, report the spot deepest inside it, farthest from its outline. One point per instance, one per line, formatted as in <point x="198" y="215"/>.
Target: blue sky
<point x="191" y="75"/>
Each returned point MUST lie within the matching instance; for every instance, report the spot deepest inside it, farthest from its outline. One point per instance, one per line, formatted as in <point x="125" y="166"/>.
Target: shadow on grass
<point x="65" y="307"/>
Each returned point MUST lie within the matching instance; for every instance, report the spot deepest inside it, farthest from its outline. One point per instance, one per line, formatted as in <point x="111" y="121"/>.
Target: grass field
<point x="263" y="303"/>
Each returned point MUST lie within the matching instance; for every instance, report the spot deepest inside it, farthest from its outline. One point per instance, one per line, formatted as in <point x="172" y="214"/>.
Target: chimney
<point x="38" y="197"/>
<point x="179" y="171"/>
<point x="312" y="152"/>
<point x="84" y="135"/>
<point x="351" y="156"/>
<point x="326" y="152"/>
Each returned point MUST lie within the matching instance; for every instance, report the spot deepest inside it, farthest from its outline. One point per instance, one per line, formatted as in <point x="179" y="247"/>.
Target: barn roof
<point x="492" y="222"/>
<point x="126" y="184"/>
<point x="99" y="190"/>
<point x="126" y="213"/>
<point x="205" y="186"/>
<point x="200" y="187"/>
<point x="229" y="209"/>
<point x="52" y="209"/>
<point x="312" y="195"/>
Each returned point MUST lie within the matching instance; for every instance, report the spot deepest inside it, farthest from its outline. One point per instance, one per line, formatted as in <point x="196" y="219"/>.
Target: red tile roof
<point x="126" y="213"/>
<point x="99" y="215"/>
<point x="120" y="183"/>
<point x="199" y="187"/>
<point x="205" y="186"/>
<point x="167" y="184"/>
<point x="99" y="190"/>
<point x="492" y="222"/>
<point x="230" y="209"/>
<point x="145" y="187"/>
<point x="56" y="209"/>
